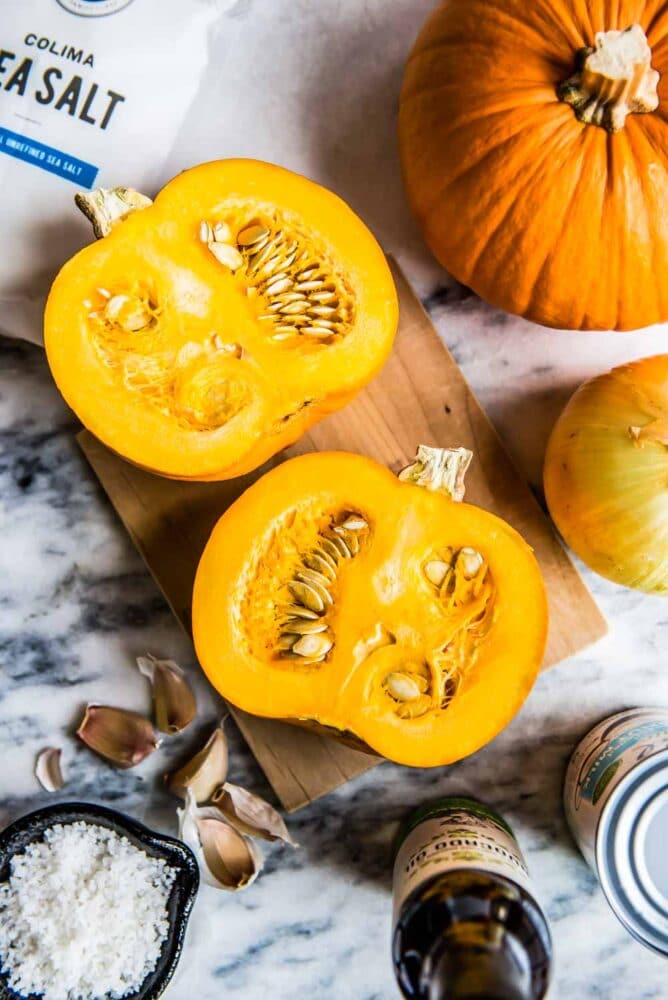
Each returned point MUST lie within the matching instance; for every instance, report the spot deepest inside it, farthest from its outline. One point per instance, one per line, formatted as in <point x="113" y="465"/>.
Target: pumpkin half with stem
<point x="208" y="330"/>
<point x="379" y="609"/>
<point x="534" y="145"/>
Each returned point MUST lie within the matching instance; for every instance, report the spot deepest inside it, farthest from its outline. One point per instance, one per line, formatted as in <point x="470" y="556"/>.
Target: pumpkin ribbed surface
<point x="544" y="197"/>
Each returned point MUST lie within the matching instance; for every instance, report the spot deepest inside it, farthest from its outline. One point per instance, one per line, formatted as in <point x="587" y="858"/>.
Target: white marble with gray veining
<point x="311" y="84"/>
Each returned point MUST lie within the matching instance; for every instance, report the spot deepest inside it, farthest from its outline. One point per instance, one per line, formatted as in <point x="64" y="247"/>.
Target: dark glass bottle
<point x="467" y="926"/>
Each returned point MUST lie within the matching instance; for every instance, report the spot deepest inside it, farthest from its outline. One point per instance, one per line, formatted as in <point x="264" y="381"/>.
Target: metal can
<point x="616" y="803"/>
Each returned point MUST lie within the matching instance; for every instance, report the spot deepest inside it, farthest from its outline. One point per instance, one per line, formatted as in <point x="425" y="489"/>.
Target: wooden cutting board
<point x="421" y="397"/>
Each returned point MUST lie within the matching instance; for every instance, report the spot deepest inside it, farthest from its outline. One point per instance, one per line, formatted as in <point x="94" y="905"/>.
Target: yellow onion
<point x="606" y="474"/>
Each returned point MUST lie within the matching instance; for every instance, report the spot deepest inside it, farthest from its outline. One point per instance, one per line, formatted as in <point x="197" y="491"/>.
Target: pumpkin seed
<point x="307" y="595"/>
<point x="270" y="267"/>
<point x="302" y="626"/>
<point x="226" y="255"/>
<point x="313" y="645"/>
<point x="436" y="571"/>
<point x="251" y="235"/>
<point x="279" y="284"/>
<point x="309" y="286"/>
<point x="205" y="232"/>
<point x="414" y="709"/>
<point x="309" y="575"/>
<point x="104" y="292"/>
<point x="308" y="578"/>
<point x="469" y="562"/>
<point x="277" y="276"/>
<point x="257" y="260"/>
<point x="339" y="543"/>
<point x="405" y="687"/>
<point x="307" y="272"/>
<point x="298" y="611"/>
<point x="114" y="306"/>
<point x="332" y="550"/>
<point x="355" y="524"/>
<point x="284" y="298"/>
<point x="321" y="565"/>
<point x="302" y="661"/>
<point x="222" y="233"/>
<point x="298" y="288"/>
<point x="292" y="308"/>
<point x="285" y="642"/>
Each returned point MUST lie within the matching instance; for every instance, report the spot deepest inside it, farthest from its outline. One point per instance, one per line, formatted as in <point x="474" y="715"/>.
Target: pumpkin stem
<point x="439" y="469"/>
<point x="613" y="80"/>
<point x="106" y="207"/>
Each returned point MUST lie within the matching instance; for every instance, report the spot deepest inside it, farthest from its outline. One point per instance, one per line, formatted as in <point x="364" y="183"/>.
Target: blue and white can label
<point x="600" y="763"/>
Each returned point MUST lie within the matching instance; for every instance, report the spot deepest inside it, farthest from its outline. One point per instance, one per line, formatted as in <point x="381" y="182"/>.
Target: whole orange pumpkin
<point x="534" y="145"/>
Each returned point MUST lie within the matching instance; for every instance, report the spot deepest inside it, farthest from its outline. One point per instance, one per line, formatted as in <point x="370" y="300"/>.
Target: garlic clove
<point x="205" y="772"/>
<point x="48" y="769"/>
<point x="227" y="859"/>
<point x="125" y="738"/>
<point x="173" y="698"/>
<point x="250" y="814"/>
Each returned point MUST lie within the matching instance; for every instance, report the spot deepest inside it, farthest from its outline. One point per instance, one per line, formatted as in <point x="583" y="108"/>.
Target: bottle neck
<point x="466" y="965"/>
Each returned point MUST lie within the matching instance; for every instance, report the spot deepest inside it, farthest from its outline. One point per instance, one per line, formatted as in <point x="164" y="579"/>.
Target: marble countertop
<point x="312" y="86"/>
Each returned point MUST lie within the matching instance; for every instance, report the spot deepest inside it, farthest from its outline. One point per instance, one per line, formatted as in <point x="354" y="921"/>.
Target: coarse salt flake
<point x="83" y="915"/>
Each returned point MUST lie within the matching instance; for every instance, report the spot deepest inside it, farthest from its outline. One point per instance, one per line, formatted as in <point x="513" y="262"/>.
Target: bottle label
<point x="601" y="760"/>
<point x="451" y="835"/>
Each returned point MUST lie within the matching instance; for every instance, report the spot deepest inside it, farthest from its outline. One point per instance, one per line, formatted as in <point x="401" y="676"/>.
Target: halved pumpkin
<point x="207" y="331"/>
<point x="334" y="593"/>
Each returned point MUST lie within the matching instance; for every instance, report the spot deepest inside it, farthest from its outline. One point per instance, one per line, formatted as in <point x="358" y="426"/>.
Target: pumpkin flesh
<point x="200" y="359"/>
<point x="422" y="665"/>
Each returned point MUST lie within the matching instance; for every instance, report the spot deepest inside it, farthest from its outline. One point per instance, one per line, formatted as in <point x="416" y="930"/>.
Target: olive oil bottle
<point x="466" y="923"/>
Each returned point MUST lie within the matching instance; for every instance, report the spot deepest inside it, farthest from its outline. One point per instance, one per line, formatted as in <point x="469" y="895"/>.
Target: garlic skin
<point x="251" y="814"/>
<point x="173" y="699"/>
<point x="205" y="772"/>
<point x="48" y="769"/>
<point x="122" y="737"/>
<point x="228" y="860"/>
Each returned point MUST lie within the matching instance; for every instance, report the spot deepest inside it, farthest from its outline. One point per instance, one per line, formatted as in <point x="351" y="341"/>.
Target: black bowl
<point x="31" y="829"/>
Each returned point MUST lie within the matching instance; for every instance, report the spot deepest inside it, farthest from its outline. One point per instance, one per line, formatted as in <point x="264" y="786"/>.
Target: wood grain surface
<point x="421" y="397"/>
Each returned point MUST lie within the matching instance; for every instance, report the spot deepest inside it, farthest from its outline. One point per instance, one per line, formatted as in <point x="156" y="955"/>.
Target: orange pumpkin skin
<point x="220" y="378"/>
<point x="539" y="213"/>
<point x="471" y="645"/>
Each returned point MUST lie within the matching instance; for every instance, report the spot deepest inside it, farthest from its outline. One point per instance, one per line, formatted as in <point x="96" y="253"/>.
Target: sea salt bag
<point x="92" y="93"/>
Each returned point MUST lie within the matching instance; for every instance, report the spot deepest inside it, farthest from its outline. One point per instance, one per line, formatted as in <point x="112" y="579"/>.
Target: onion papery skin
<point x="606" y="474"/>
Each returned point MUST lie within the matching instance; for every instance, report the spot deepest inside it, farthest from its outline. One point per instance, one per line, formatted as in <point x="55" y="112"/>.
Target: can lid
<point x="631" y="853"/>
